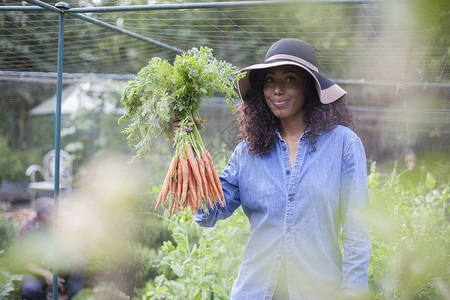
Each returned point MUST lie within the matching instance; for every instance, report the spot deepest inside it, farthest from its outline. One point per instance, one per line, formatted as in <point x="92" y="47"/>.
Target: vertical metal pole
<point x="60" y="5"/>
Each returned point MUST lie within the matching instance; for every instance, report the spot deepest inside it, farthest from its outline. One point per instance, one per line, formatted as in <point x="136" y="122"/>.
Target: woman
<point x="300" y="176"/>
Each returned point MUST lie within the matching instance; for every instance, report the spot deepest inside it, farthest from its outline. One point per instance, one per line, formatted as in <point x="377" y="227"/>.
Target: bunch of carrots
<point x="162" y="92"/>
<point x="192" y="179"/>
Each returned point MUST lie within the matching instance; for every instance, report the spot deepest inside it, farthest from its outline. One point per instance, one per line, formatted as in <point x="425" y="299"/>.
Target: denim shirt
<point x="297" y="215"/>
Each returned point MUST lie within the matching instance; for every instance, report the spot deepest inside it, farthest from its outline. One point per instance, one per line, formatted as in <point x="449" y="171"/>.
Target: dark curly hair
<point x="259" y="125"/>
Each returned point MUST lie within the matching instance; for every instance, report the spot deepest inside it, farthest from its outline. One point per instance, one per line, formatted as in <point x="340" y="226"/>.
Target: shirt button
<point x="284" y="148"/>
<point x="288" y="172"/>
<point x="291" y="199"/>
<point x="288" y="230"/>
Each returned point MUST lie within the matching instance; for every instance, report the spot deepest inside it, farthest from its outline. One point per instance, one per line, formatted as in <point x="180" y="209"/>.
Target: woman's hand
<point x="176" y="125"/>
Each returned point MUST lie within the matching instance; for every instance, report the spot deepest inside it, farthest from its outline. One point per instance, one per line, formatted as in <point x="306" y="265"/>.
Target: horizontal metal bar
<point x="178" y="6"/>
<point x="208" y="5"/>
<point x="21" y="8"/>
<point x="22" y="75"/>
<point x="19" y="75"/>
<point x="44" y="5"/>
<point x="185" y="5"/>
<point x="400" y="84"/>
<point x="438" y="111"/>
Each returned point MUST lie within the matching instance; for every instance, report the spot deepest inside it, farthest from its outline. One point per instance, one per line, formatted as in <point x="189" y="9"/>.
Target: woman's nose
<point x="279" y="88"/>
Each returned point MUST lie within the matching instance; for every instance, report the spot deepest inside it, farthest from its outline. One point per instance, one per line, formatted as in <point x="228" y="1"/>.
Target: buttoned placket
<point x="291" y="181"/>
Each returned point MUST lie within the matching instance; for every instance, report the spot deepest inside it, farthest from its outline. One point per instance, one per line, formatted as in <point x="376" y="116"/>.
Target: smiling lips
<point x="279" y="102"/>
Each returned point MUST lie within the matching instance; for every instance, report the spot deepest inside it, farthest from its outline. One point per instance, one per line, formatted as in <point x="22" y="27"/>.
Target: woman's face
<point x="285" y="90"/>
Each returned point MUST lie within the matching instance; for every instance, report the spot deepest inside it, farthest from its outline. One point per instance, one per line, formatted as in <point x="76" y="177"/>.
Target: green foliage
<point x="162" y="91"/>
<point x="8" y="231"/>
<point x="203" y="262"/>
<point x="129" y="270"/>
<point x="104" y="291"/>
<point x="432" y="21"/>
<point x="410" y="236"/>
<point x="13" y="162"/>
<point x="8" y="283"/>
<point x="8" y="160"/>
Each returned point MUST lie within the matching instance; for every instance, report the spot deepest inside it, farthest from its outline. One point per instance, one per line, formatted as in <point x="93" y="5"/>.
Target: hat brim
<point x="327" y="90"/>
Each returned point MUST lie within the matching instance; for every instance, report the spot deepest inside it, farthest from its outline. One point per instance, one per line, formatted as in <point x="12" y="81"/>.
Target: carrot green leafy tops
<point x="162" y="91"/>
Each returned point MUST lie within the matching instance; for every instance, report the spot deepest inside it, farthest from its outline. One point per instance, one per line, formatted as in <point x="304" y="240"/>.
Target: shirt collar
<point x="277" y="132"/>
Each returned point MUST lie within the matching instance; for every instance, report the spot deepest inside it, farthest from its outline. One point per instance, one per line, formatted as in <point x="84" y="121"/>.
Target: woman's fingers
<point x="176" y="124"/>
<point x="176" y="128"/>
<point x="197" y="121"/>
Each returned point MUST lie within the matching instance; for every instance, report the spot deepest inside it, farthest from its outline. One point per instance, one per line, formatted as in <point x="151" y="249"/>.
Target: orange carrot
<point x="163" y="203"/>
<point x="216" y="174"/>
<point x="173" y="189"/>
<point x="192" y="193"/>
<point x="194" y="166"/>
<point x="213" y="189"/>
<point x="179" y="179"/>
<point x="205" y="190"/>
<point x="191" y="189"/>
<point x="185" y="181"/>
<point x="191" y="202"/>
<point x="209" y="195"/>
<point x="166" y="184"/>
<point x="210" y="177"/>
<point x="175" y="206"/>
<point x="198" y="194"/>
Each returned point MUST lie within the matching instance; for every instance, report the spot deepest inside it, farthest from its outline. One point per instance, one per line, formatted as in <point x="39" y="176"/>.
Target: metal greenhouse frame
<point x="63" y="9"/>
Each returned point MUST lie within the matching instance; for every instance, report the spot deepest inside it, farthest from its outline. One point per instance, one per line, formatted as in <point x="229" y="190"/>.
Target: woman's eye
<point x="291" y="79"/>
<point x="269" y="80"/>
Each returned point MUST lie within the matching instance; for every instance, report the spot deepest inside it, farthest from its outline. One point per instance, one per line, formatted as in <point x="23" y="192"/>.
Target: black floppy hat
<point x="294" y="52"/>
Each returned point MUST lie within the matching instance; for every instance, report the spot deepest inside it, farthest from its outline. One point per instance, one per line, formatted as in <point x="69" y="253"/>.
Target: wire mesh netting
<point x="361" y="40"/>
<point x="392" y="56"/>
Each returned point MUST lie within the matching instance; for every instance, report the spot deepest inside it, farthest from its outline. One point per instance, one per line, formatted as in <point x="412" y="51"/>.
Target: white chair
<point x="47" y="172"/>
